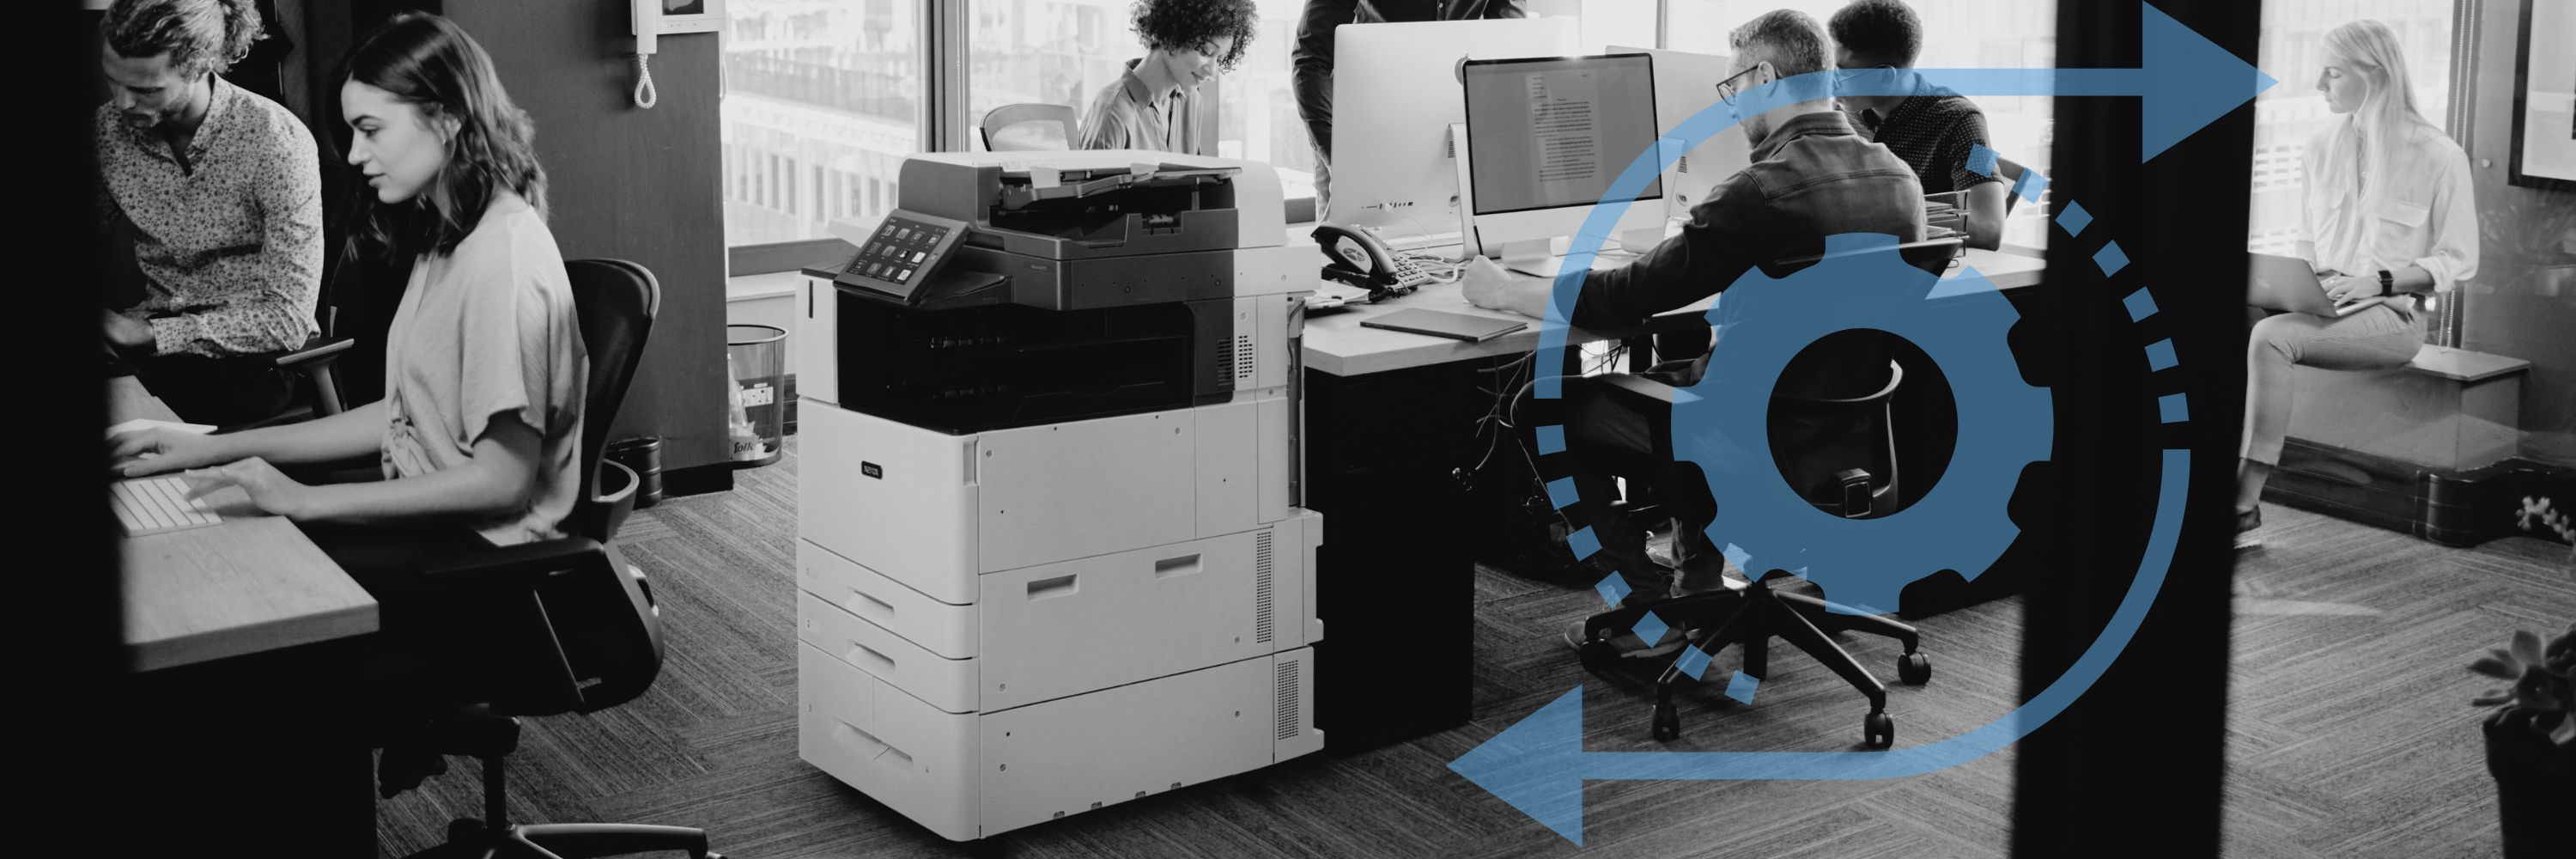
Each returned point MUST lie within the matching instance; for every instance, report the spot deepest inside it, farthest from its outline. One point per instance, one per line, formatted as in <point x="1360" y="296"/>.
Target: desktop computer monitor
<point x="1685" y="84"/>
<point x="1545" y="138"/>
<point x="1395" y="95"/>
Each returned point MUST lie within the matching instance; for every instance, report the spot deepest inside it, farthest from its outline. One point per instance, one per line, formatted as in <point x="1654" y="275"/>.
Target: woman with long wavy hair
<point x="2389" y="219"/>
<point x="477" y="439"/>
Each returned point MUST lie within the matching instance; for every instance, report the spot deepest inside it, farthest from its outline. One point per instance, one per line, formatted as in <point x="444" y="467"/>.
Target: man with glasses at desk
<point x="1811" y="177"/>
<point x="215" y="195"/>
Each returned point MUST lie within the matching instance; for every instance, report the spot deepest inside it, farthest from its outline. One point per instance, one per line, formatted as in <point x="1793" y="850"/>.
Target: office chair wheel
<point x="1879" y="731"/>
<point x="1914" y="668"/>
<point x="1597" y="655"/>
<point x="1668" y="722"/>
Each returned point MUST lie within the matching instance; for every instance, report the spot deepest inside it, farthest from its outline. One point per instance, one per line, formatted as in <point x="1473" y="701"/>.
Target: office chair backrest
<point x="1828" y="408"/>
<point x="1853" y="364"/>
<point x="1028" y="128"/>
<point x="616" y="301"/>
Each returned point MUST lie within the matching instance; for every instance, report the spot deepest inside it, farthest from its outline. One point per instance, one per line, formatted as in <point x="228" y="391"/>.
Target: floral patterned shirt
<point x="229" y="240"/>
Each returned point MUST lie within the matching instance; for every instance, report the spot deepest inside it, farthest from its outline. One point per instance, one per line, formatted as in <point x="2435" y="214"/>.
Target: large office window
<point x="2285" y="117"/>
<point x="838" y="85"/>
<point x="1066" y="51"/>
<point x="1957" y="34"/>
<point x="832" y="84"/>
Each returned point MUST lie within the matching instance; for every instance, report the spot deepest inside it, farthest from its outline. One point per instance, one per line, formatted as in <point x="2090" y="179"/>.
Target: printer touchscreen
<point x="903" y="253"/>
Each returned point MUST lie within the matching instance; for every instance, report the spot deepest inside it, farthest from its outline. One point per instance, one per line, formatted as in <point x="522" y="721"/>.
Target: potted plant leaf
<point x="2531" y="742"/>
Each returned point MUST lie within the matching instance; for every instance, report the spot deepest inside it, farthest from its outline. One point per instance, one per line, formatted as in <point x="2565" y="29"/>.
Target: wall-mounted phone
<point x="648" y="37"/>
<point x="1356" y="257"/>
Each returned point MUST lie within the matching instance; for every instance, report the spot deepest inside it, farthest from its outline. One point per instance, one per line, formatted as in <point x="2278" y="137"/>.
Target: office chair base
<point x="469" y="838"/>
<point x="1751" y="618"/>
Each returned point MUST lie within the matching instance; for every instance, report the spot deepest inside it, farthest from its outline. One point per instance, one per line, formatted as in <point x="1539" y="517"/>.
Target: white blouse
<point x="2425" y="215"/>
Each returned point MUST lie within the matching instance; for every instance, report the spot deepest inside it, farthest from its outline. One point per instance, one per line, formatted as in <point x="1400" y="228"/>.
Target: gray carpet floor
<point x="2350" y="735"/>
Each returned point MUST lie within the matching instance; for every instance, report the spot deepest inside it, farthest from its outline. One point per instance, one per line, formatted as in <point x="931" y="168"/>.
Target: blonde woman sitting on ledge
<point x="2388" y="219"/>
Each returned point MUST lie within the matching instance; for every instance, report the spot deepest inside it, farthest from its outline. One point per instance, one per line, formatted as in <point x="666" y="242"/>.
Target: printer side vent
<point x="1286" y="707"/>
<point x="1246" y="363"/>
<point x="1261" y="588"/>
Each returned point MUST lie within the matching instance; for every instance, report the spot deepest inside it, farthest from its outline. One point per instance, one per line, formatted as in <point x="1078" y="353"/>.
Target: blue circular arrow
<point x="1538" y="764"/>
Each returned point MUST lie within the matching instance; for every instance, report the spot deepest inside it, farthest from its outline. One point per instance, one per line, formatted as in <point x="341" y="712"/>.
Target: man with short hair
<point x="1810" y="177"/>
<point x="219" y="190"/>
<point x="1932" y="129"/>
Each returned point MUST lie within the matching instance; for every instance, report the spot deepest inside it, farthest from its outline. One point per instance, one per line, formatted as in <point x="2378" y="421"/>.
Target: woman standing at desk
<point x="2389" y="216"/>
<point x="477" y="438"/>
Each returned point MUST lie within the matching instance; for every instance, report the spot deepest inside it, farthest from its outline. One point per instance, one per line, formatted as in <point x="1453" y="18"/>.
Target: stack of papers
<point x="1943" y="219"/>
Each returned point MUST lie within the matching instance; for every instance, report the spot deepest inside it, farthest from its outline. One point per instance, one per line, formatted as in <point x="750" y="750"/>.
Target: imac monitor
<point x="1546" y="137"/>
<point x="1395" y="95"/>
<point x="1685" y="84"/>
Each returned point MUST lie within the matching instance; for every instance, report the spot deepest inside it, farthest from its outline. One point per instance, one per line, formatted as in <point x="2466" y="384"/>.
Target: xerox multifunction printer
<point x="1050" y="555"/>
<point x="1018" y="287"/>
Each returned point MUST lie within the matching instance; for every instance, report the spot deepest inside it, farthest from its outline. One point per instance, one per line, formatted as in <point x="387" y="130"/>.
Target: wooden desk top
<point x="251" y="584"/>
<point x="1336" y="343"/>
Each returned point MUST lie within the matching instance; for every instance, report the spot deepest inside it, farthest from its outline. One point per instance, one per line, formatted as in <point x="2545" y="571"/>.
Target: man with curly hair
<point x="1931" y="129"/>
<point x="1153" y="104"/>
<point x="1313" y="58"/>
<point x="210" y="201"/>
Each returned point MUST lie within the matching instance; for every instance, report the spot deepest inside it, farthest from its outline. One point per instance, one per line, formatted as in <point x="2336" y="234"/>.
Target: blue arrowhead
<point x="2189" y="81"/>
<point x="1536" y="765"/>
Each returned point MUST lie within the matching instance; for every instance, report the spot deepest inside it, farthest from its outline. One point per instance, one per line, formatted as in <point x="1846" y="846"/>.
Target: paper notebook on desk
<point x="154" y="505"/>
<point x="1457" y="326"/>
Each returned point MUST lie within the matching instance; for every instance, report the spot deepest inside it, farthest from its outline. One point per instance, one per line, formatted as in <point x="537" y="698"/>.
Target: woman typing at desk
<point x="2389" y="217"/>
<point x="477" y="437"/>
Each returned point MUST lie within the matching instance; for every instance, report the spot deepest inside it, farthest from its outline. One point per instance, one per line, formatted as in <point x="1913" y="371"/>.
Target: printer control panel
<point x="901" y="255"/>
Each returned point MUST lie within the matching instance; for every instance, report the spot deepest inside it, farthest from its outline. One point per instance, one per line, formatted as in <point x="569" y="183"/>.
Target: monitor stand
<point x="1535" y="257"/>
<point x="1544" y="257"/>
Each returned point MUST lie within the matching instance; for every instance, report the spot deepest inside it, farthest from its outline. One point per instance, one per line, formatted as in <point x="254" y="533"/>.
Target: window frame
<point x="941" y="125"/>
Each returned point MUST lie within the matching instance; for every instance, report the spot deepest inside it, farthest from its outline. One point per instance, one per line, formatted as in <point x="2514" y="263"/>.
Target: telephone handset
<point x="1358" y="258"/>
<point x="648" y="31"/>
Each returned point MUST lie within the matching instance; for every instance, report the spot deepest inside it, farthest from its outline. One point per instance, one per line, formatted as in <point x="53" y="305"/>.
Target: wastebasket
<point x="756" y="361"/>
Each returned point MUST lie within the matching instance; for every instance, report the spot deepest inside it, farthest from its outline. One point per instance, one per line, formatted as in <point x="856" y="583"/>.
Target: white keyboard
<point x="152" y="505"/>
<point x="1418" y="242"/>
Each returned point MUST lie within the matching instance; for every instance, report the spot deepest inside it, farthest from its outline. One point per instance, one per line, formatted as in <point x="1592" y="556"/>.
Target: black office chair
<point x="574" y="628"/>
<point x="1824" y="386"/>
<point x="316" y="366"/>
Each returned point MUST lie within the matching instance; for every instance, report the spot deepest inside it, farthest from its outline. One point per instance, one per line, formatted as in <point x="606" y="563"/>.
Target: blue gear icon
<point x="1862" y="564"/>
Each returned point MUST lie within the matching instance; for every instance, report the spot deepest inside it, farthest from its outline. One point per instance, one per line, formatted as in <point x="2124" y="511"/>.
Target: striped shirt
<point x="229" y="240"/>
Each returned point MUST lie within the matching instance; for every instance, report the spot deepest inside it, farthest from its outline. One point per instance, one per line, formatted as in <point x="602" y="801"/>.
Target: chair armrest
<point x="316" y="349"/>
<point x="356" y="469"/>
<point x="614" y="496"/>
<point x="507" y="568"/>
<point x="1640" y="390"/>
